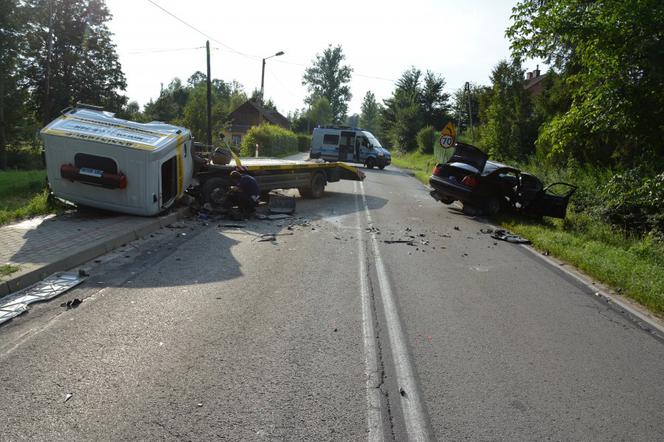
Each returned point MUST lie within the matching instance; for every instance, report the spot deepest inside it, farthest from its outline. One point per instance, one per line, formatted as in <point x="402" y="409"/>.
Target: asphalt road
<point x="336" y="330"/>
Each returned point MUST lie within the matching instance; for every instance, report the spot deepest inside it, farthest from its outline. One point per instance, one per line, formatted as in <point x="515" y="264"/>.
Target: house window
<point x="331" y="139"/>
<point x="236" y="139"/>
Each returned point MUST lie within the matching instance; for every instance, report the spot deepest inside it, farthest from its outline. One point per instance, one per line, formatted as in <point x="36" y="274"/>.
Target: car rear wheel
<point x="492" y="206"/>
<point x="470" y="210"/>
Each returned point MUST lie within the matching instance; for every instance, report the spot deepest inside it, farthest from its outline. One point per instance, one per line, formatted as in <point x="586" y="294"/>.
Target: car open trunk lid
<point x="467" y="154"/>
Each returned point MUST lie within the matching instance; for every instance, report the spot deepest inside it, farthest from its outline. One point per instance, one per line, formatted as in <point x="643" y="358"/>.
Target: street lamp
<point x="263" y="71"/>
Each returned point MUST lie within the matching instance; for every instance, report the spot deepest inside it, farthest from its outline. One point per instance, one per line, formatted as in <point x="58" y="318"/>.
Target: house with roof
<point x="534" y="82"/>
<point x="248" y="115"/>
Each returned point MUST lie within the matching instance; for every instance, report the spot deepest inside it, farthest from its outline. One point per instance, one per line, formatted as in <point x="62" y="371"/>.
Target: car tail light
<point x="469" y="180"/>
<point x="438" y="170"/>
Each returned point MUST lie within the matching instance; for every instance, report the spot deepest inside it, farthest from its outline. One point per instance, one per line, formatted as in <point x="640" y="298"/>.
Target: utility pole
<point x="209" y="96"/>
<point x="466" y="89"/>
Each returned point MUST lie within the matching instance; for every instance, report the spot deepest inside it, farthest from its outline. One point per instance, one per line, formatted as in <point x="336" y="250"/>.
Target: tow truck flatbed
<point x="308" y="176"/>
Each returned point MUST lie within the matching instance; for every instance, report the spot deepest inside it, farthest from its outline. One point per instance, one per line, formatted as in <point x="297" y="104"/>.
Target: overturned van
<point x="97" y="160"/>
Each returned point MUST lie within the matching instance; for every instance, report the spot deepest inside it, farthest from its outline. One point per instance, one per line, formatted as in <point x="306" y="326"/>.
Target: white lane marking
<point x="373" y="375"/>
<point x="414" y="414"/>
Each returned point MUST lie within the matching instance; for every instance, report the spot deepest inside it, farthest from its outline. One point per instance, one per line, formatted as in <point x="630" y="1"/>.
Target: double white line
<point x="414" y="414"/>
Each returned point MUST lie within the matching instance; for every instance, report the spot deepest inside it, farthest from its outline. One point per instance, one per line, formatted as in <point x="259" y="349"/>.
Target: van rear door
<point x="347" y="146"/>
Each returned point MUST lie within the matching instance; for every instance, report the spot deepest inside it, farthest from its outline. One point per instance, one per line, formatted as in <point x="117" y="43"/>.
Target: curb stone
<point x="90" y="251"/>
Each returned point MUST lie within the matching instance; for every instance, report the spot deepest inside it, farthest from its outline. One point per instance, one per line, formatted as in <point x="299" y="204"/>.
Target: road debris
<point x="71" y="304"/>
<point x="68" y="396"/>
<point x="399" y="241"/>
<point x="281" y="204"/>
<point x="55" y="285"/>
<point x="505" y="235"/>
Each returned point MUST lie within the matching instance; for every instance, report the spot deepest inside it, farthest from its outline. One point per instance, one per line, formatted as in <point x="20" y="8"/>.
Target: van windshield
<point x="372" y="140"/>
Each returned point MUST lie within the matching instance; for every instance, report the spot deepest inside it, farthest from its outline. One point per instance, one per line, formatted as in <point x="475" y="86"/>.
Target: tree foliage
<point x="13" y="94"/>
<point x="321" y="112"/>
<point x="415" y="102"/>
<point x="370" y="113"/>
<point x="328" y="77"/>
<point x="611" y="55"/>
<point x="478" y="97"/>
<point x="509" y="131"/>
<point x="72" y="56"/>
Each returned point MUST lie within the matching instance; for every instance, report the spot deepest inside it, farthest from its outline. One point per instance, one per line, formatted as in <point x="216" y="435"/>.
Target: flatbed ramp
<point x="256" y="165"/>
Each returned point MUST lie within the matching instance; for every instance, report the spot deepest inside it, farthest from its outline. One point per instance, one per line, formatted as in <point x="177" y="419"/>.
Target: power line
<point x="209" y="37"/>
<point x="156" y="50"/>
<point x="255" y="57"/>
<point x="372" y="77"/>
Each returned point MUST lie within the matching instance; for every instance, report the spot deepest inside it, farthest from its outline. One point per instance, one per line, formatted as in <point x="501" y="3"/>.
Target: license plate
<point x="91" y="172"/>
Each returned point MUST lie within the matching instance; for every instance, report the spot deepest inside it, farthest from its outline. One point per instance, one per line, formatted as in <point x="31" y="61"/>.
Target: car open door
<point x="552" y="200"/>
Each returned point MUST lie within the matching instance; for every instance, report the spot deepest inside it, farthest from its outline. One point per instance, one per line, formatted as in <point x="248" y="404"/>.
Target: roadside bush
<point x="303" y="142"/>
<point x="426" y="138"/>
<point x="24" y="157"/>
<point x="272" y="140"/>
<point x="634" y="202"/>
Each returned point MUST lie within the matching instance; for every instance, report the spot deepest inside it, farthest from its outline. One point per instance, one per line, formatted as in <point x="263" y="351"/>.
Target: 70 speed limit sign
<point x="448" y="136"/>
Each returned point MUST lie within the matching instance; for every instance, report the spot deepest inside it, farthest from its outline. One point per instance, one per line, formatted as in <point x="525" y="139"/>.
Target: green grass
<point x="421" y="164"/>
<point x="23" y="194"/>
<point x="633" y="266"/>
<point x="8" y="269"/>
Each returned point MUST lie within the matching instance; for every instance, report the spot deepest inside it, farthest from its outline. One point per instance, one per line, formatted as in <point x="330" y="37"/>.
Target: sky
<point x="460" y="40"/>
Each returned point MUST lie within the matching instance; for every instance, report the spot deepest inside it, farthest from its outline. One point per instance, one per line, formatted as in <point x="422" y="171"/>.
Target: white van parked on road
<point x="349" y="144"/>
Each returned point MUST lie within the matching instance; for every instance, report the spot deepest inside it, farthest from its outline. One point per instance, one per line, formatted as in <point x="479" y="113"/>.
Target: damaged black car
<point x="487" y="187"/>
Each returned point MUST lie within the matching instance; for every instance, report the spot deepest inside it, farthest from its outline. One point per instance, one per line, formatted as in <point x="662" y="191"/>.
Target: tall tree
<point x="320" y="112"/>
<point x="370" y="113"/>
<point x="508" y="132"/>
<point x="416" y="102"/>
<point x="611" y="54"/>
<point x="12" y="92"/>
<point x="169" y="107"/>
<point x="435" y="101"/>
<point x="72" y="56"/>
<point x="329" y="78"/>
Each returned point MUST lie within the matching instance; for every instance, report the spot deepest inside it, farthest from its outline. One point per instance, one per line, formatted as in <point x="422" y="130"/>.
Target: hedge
<point x="272" y="140"/>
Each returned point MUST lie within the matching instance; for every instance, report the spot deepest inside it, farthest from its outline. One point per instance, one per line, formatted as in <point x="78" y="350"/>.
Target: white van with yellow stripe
<point x="95" y="159"/>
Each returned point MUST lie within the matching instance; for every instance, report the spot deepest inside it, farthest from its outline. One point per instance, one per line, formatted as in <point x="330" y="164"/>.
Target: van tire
<point x="370" y="163"/>
<point x="316" y="188"/>
<point x="381" y="167"/>
<point x="214" y="191"/>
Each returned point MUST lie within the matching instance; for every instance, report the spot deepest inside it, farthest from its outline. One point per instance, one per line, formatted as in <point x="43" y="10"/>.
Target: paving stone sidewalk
<point x="44" y="245"/>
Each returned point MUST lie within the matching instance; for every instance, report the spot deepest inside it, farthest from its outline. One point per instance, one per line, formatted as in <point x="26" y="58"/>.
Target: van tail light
<point x="470" y="181"/>
<point x="438" y="170"/>
<point x="94" y="177"/>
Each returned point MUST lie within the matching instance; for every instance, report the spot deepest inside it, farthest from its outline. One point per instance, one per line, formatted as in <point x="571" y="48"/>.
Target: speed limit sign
<point x="448" y="136"/>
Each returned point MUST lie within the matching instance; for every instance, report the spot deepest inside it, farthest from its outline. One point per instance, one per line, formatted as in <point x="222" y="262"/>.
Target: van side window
<point x="331" y="139"/>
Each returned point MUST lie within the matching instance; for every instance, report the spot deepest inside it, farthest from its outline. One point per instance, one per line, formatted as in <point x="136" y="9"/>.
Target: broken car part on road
<point x="55" y="285"/>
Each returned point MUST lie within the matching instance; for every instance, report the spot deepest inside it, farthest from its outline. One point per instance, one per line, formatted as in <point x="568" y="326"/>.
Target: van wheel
<point x="381" y="167"/>
<point x="316" y="188"/>
<point x="370" y="163"/>
<point x="214" y="191"/>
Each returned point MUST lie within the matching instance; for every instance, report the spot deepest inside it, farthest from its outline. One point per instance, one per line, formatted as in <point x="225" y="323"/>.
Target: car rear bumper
<point x="457" y="192"/>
